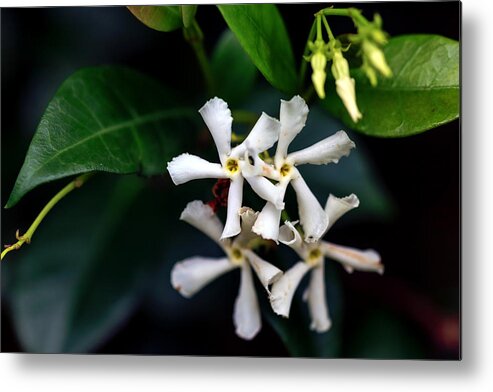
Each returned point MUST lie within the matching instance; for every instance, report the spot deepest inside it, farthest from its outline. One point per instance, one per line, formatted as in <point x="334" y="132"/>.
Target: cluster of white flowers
<point x="244" y="227"/>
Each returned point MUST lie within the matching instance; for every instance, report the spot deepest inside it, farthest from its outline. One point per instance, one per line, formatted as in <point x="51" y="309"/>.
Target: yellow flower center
<point x="314" y="257"/>
<point x="236" y="256"/>
<point x="285" y="170"/>
<point x="232" y="166"/>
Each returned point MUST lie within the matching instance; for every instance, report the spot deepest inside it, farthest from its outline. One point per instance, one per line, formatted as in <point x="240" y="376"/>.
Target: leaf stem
<point x="304" y="62"/>
<point x="327" y="27"/>
<point x="26" y="238"/>
<point x="194" y="36"/>
<point x="353" y="13"/>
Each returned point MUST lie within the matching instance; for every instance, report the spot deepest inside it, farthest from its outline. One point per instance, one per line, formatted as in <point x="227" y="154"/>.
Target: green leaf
<point x="262" y="33"/>
<point x="162" y="18"/>
<point x="233" y="68"/>
<point x="103" y="119"/>
<point x="87" y="268"/>
<point x="423" y="93"/>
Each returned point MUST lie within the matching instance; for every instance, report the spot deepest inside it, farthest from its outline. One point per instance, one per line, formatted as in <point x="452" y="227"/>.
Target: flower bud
<point x="376" y="58"/>
<point x="319" y="61"/>
<point x="345" y="90"/>
<point x="340" y="66"/>
<point x="370" y="73"/>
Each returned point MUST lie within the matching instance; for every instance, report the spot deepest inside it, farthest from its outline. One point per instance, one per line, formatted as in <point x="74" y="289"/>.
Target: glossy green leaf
<point x="233" y="69"/>
<point x="87" y="267"/>
<point x="104" y="119"/>
<point x="423" y="93"/>
<point x="261" y="31"/>
<point x="162" y="18"/>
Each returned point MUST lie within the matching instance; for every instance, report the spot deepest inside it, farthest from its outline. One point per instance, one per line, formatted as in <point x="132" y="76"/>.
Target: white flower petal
<point x="267" y="190"/>
<point x="293" y="116"/>
<point x="266" y="272"/>
<point x="217" y="117"/>
<point x="246" y="316"/>
<point x="232" y="226"/>
<point x="190" y="275"/>
<point x="313" y="218"/>
<point x="328" y="150"/>
<point x="345" y="90"/>
<point x="283" y="290"/>
<point x="202" y="217"/>
<point x="317" y="303"/>
<point x="338" y="206"/>
<point x="248" y="217"/>
<point x="186" y="167"/>
<point x="267" y="223"/>
<point x="288" y="235"/>
<point x="262" y="137"/>
<point x="363" y="260"/>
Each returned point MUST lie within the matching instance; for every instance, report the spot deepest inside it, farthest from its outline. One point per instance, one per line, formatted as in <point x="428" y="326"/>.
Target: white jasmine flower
<point x="264" y="134"/>
<point x="293" y="116"/>
<point x="312" y="255"/>
<point x="190" y="275"/>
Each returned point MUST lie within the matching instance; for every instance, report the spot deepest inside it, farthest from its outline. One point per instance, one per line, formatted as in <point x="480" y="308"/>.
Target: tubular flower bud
<point x="318" y="62"/>
<point x="345" y="85"/>
<point x="376" y="58"/>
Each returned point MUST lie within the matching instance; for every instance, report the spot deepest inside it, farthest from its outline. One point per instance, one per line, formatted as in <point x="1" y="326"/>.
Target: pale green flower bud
<point x="340" y="66"/>
<point x="345" y="84"/>
<point x="319" y="61"/>
<point x="345" y="90"/>
<point x="376" y="58"/>
<point x="370" y="73"/>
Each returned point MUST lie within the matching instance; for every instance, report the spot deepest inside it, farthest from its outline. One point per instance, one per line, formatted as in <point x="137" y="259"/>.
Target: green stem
<point x="319" y="28"/>
<point x="352" y="13"/>
<point x="195" y="37"/>
<point x="26" y="238"/>
<point x="304" y="63"/>
<point x="327" y="27"/>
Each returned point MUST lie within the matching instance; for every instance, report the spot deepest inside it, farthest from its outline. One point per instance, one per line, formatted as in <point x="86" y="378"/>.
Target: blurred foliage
<point x="165" y="18"/>
<point x="233" y="69"/>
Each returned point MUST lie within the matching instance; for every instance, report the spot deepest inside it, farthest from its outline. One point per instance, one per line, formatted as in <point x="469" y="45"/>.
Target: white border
<point x="474" y="373"/>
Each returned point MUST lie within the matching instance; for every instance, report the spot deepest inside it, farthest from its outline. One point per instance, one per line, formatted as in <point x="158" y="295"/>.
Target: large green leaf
<point x="85" y="271"/>
<point x="422" y="94"/>
<point x="262" y="33"/>
<point x="103" y="119"/>
<point x="233" y="69"/>
<point x="162" y="18"/>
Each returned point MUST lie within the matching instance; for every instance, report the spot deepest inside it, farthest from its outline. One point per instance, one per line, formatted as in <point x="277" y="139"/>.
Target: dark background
<point x="420" y="244"/>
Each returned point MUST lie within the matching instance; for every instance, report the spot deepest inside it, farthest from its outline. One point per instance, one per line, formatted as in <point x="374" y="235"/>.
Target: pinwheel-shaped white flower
<point x="190" y="275"/>
<point x="314" y="221"/>
<point x="312" y="255"/>
<point x="234" y="162"/>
